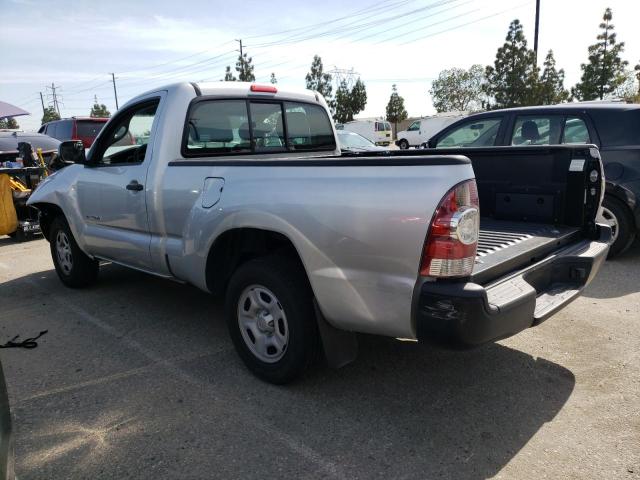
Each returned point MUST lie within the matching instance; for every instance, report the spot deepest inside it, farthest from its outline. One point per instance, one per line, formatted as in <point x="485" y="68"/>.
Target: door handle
<point x="135" y="186"/>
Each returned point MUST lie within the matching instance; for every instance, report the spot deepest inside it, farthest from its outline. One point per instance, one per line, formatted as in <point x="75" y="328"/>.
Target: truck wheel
<point x="75" y="269"/>
<point x="271" y="319"/>
<point x="615" y="214"/>
<point x="403" y="144"/>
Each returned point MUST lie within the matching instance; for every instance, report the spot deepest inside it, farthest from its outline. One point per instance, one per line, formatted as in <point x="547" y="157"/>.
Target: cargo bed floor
<point x="507" y="245"/>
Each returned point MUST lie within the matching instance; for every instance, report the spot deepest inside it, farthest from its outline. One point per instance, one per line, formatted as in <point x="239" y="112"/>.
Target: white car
<point x="423" y="129"/>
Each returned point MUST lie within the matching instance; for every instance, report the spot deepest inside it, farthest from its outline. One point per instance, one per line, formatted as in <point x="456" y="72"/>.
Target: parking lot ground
<point x="137" y="378"/>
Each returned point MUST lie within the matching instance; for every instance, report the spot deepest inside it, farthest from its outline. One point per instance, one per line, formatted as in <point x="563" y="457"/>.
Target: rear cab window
<point x="480" y="132"/>
<point x="241" y="126"/>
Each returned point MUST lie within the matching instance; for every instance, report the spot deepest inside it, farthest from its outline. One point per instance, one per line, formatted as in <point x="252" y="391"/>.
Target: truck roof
<point x="241" y="89"/>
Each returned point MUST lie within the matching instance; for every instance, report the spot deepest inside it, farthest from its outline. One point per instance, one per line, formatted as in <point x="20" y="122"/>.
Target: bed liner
<point x="506" y="245"/>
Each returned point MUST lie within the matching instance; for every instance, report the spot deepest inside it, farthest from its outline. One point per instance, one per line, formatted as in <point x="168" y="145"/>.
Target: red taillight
<point x="450" y="248"/>
<point x="264" y="88"/>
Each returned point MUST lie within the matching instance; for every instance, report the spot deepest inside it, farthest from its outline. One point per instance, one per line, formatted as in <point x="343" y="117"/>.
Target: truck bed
<point x="506" y="244"/>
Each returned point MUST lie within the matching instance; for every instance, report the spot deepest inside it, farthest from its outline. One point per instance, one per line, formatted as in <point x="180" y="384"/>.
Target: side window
<point x="537" y="130"/>
<point x="52" y="129"/>
<point x="64" y="130"/>
<point x="308" y="127"/>
<point x="219" y="126"/>
<point x="268" y="130"/>
<point x="387" y="126"/>
<point x="575" y="131"/>
<point x="414" y="126"/>
<point x="127" y="136"/>
<point x="475" y="133"/>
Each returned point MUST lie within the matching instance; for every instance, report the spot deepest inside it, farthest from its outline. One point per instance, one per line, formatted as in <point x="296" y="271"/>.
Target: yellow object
<point x="42" y="162"/>
<point x="8" y="216"/>
<point x="17" y="185"/>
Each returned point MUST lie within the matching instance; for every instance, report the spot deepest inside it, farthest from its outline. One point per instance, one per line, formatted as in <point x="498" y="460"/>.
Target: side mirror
<point x="72" y="151"/>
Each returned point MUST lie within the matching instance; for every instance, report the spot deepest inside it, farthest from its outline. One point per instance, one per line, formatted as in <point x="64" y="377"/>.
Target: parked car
<point x="85" y="129"/>
<point x="9" y="145"/>
<point x="613" y="127"/>
<point x="352" y="142"/>
<point x="421" y="130"/>
<point x="241" y="190"/>
<point x="377" y="131"/>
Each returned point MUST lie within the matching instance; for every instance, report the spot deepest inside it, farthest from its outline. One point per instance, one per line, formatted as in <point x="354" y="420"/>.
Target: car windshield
<point x="353" y="140"/>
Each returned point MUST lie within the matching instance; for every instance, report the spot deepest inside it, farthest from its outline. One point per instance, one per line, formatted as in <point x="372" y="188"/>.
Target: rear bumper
<point x="467" y="314"/>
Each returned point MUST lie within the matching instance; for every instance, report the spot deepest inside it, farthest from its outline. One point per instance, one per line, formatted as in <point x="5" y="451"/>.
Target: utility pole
<point x="55" y="98"/>
<point x="115" y="92"/>
<point x="240" y="42"/>
<point x="42" y="101"/>
<point x="535" y="38"/>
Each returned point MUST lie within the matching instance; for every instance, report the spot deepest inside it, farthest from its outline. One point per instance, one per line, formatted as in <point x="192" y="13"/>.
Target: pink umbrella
<point x="7" y="110"/>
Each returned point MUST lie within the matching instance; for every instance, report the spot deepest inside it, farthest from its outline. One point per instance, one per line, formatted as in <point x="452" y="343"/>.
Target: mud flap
<point x="340" y="346"/>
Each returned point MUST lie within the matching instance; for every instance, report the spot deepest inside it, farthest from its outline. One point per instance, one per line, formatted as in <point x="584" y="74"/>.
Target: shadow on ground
<point x="401" y="410"/>
<point x="617" y="276"/>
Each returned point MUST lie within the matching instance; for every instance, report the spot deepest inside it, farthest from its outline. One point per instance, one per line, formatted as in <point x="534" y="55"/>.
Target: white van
<point x="423" y="129"/>
<point x="377" y="131"/>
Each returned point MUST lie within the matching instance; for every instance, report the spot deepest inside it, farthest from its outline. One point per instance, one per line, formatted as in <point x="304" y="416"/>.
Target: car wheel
<point x="74" y="268"/>
<point x="403" y="144"/>
<point x="616" y="215"/>
<point x="271" y="319"/>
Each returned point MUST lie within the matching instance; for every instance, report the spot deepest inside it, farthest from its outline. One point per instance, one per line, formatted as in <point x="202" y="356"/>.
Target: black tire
<point x="286" y="280"/>
<point x="403" y="144"/>
<point x="616" y="212"/>
<point x="74" y="268"/>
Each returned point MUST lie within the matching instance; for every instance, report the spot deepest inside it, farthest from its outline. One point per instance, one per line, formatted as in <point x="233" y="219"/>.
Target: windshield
<point x="353" y="140"/>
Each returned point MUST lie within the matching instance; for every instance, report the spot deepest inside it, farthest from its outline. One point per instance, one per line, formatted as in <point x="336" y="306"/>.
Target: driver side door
<point x="111" y="188"/>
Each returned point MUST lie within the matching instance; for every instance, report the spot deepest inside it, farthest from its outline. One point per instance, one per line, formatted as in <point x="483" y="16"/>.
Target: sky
<point x="75" y="45"/>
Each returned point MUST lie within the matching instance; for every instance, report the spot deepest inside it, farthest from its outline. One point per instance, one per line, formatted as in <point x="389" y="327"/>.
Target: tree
<point x="9" y="123"/>
<point x="605" y="71"/>
<point x="244" y="67"/>
<point x="50" y="115"/>
<point x="319" y="81"/>
<point x="349" y="102"/>
<point x="273" y="78"/>
<point x="228" y="76"/>
<point x="458" y="89"/>
<point x="99" y="110"/>
<point x="551" y="85"/>
<point x="512" y="81"/>
<point x="395" y="108"/>
<point x="629" y="89"/>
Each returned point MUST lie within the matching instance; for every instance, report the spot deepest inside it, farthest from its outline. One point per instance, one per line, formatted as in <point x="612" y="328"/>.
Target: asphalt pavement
<point x="137" y="378"/>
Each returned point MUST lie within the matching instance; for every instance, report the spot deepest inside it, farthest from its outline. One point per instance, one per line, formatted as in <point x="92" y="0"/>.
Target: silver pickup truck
<point x="241" y="190"/>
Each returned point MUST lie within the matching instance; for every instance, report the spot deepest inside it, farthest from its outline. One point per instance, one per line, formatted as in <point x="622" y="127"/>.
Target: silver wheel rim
<point x="63" y="250"/>
<point x="610" y="219"/>
<point x="263" y="323"/>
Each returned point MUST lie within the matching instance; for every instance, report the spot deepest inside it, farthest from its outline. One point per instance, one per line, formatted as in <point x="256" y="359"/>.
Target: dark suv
<point x="75" y="128"/>
<point x="613" y="127"/>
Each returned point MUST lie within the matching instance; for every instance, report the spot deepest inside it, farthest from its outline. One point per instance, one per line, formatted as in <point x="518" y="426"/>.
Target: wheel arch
<point x="47" y="212"/>
<point x="627" y="198"/>
<point x="236" y="246"/>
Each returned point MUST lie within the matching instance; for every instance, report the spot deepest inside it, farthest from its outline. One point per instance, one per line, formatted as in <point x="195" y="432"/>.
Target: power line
<point x="477" y="20"/>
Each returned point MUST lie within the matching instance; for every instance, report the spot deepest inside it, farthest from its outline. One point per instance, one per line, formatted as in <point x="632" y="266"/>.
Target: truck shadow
<point x="617" y="277"/>
<point x="402" y="410"/>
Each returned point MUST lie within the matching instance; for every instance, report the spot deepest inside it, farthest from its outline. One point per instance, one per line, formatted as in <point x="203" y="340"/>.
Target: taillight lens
<point x="450" y="248"/>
